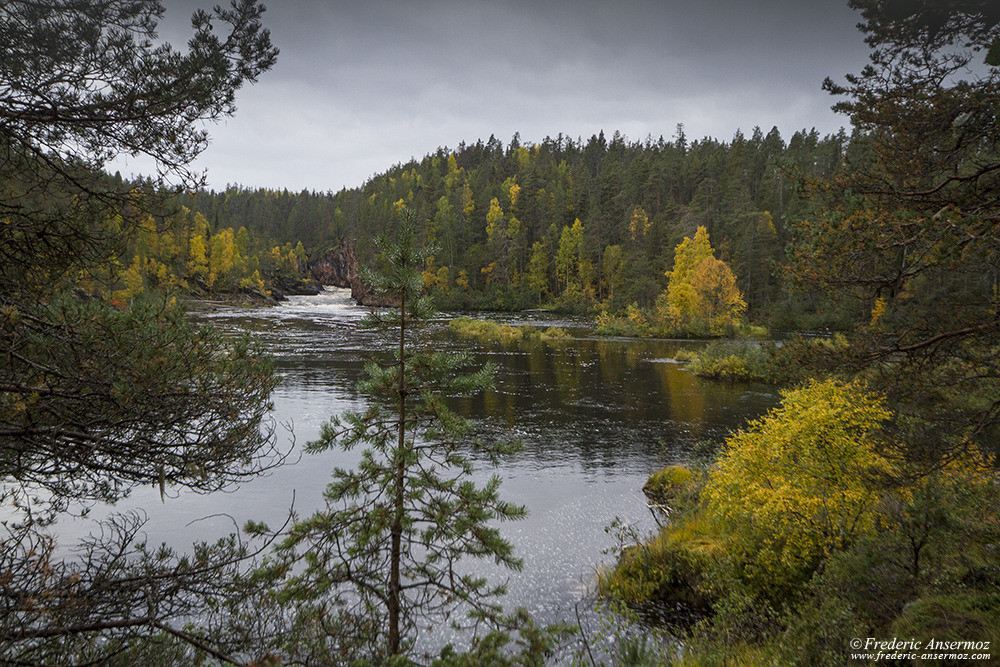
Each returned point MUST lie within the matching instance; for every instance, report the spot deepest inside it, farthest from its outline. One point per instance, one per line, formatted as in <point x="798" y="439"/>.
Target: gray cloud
<point x="360" y="86"/>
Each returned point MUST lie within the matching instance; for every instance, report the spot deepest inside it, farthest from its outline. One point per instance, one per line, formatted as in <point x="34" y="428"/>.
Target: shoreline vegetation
<point x="721" y="359"/>
<point x="486" y="330"/>
<point x="785" y="546"/>
<point x="867" y="505"/>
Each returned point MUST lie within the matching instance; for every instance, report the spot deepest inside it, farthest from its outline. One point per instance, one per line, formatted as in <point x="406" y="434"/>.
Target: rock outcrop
<point x="281" y="289"/>
<point x="339" y="267"/>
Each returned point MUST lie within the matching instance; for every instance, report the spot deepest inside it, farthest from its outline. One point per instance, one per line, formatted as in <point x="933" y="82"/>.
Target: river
<point x="596" y="417"/>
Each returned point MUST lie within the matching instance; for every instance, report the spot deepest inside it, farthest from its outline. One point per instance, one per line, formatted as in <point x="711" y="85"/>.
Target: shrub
<point x="553" y="333"/>
<point x="632" y="323"/>
<point x="670" y="567"/>
<point x="798" y="484"/>
<point x="486" y="330"/>
<point x="729" y="367"/>
<point x="685" y="355"/>
<point x="753" y="331"/>
<point x="672" y="488"/>
<point x="734" y="360"/>
<point x="804" y="535"/>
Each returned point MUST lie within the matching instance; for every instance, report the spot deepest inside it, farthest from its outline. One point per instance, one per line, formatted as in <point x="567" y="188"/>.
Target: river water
<point x="596" y="417"/>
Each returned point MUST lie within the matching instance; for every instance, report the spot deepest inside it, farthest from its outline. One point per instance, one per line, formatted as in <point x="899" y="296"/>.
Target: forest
<point x="864" y="506"/>
<point x="567" y="223"/>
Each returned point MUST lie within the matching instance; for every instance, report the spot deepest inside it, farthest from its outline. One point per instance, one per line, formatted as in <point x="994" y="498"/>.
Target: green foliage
<point x="541" y="190"/>
<point x="906" y="236"/>
<point x="752" y="331"/>
<point x="964" y="617"/>
<point x="568" y="259"/>
<point x="685" y="356"/>
<point x="929" y="571"/>
<point x="634" y="323"/>
<point x="178" y="254"/>
<point x="510" y="252"/>
<point x="674" y="565"/>
<point x="538" y="270"/>
<point x="670" y="485"/>
<point x="636" y="652"/>
<point x="104" y="388"/>
<point x="729" y="367"/>
<point x="843" y="515"/>
<point x="485" y="330"/>
<point x="735" y="360"/>
<point x="196" y="397"/>
<point x="394" y="532"/>
<point x="701" y="299"/>
<point x="533" y="646"/>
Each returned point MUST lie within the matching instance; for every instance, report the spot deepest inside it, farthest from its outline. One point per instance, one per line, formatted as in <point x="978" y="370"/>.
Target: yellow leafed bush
<point x="799" y="483"/>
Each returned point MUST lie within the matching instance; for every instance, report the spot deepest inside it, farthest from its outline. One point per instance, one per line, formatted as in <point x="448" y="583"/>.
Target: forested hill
<point x="563" y="221"/>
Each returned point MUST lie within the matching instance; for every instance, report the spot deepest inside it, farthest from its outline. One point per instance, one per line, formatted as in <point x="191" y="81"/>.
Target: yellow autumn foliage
<point x="702" y="295"/>
<point x="801" y="482"/>
<point x="720" y="302"/>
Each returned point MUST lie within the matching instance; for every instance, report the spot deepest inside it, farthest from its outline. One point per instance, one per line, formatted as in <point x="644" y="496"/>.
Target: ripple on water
<point x="595" y="420"/>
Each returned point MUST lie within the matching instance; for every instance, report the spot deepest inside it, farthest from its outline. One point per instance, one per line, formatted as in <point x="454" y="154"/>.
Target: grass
<point x="486" y="330"/>
<point x="965" y="617"/>
<point x="671" y="486"/>
<point x="734" y="360"/>
<point x="669" y="567"/>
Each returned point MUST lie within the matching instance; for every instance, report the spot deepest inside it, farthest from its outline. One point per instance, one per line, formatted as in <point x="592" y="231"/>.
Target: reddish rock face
<point x="339" y="267"/>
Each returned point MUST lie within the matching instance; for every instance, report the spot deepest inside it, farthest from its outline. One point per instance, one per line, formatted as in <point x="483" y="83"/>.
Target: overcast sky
<point x="361" y="86"/>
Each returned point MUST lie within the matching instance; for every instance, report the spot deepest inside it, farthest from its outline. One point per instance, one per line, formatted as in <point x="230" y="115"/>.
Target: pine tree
<point x="100" y="396"/>
<point x="386" y="551"/>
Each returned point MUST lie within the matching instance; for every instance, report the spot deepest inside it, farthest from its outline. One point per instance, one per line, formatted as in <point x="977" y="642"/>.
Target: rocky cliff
<point x="339" y="267"/>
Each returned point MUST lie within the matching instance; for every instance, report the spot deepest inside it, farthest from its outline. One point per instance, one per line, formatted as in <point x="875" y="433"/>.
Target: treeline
<point x="279" y="215"/>
<point x="572" y="223"/>
<point x="176" y="250"/>
<point x="565" y="222"/>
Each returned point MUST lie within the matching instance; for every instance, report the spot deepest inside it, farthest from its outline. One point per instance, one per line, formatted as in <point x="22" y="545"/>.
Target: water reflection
<point x="596" y="416"/>
<point x="605" y="402"/>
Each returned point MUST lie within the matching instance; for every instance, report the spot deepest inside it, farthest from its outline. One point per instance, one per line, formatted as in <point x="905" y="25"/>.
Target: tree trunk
<point x="394" y="602"/>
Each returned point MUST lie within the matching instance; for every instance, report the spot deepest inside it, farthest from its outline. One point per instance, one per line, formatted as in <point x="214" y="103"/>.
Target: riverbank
<point x="595" y="416"/>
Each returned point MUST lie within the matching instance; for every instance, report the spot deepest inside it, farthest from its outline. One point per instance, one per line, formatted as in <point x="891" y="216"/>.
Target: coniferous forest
<point x="567" y="223"/>
<point x="863" y="509"/>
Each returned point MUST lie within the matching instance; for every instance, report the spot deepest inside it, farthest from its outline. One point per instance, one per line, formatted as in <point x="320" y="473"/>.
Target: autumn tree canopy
<point x="97" y="398"/>
<point x="912" y="231"/>
<point x="803" y="482"/>
<point x="702" y="294"/>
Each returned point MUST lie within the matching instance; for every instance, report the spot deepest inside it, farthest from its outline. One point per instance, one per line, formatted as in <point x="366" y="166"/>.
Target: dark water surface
<point x="596" y="417"/>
